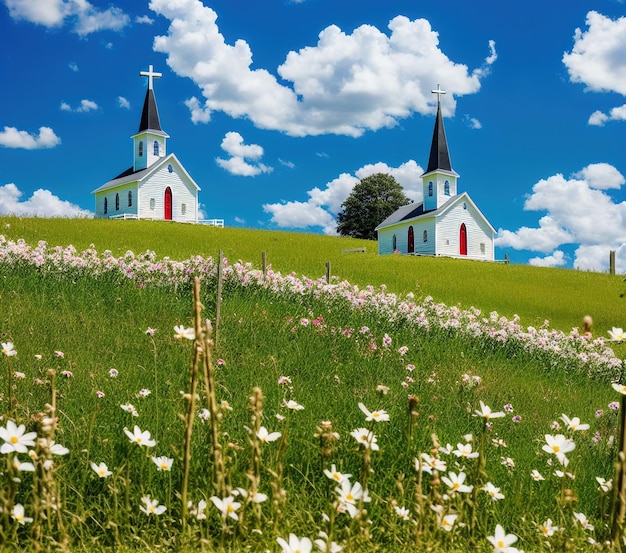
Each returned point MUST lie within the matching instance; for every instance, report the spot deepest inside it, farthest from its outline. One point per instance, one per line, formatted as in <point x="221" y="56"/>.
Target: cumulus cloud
<point x="320" y="210"/>
<point x="10" y="137"/>
<point x="84" y="106"/>
<point x="123" y="102"/>
<point x="84" y="17"/>
<point x="144" y="20"/>
<point x="472" y="122"/>
<point x="579" y="212"/>
<point x="42" y="203"/>
<point x="346" y="84"/>
<point x="199" y="113"/>
<point x="597" y="60"/>
<point x="243" y="160"/>
<point x="556" y="259"/>
<point x="285" y="163"/>
<point x="599" y="118"/>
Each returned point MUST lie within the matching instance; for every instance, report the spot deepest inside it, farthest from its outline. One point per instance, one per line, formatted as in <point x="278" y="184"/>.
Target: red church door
<point x="411" y="241"/>
<point x="168" y="204"/>
<point x="463" y="240"/>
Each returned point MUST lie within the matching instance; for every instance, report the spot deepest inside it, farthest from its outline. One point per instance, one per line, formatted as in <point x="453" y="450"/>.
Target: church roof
<point x="439" y="158"/>
<point x="130" y="175"/>
<point x="416" y="211"/>
<point x="149" y="114"/>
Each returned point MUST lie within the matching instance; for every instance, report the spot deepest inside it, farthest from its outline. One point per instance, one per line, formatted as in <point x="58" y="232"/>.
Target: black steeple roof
<point x="149" y="114"/>
<point x="439" y="156"/>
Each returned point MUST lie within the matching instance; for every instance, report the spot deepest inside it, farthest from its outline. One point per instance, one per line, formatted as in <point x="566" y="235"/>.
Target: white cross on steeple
<point x="150" y="74"/>
<point x="438" y="92"/>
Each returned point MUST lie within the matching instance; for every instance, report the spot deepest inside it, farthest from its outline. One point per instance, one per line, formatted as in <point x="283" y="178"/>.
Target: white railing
<point x="212" y="222"/>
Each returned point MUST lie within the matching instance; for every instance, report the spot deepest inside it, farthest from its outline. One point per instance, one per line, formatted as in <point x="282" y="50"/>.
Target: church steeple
<point x="439" y="180"/>
<point x="439" y="156"/>
<point x="150" y="140"/>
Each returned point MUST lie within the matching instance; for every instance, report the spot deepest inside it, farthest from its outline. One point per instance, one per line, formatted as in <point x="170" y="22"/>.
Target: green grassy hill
<point x="88" y="344"/>
<point x="561" y="296"/>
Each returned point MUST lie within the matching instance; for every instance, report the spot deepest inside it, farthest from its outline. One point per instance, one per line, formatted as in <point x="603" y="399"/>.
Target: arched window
<point x="430" y="188"/>
<point x="106" y="205"/>
<point x="130" y="198"/>
<point x="446" y="188"/>
<point x="117" y="202"/>
<point x="156" y="148"/>
<point x="411" y="241"/>
<point x="425" y="236"/>
<point x="140" y="148"/>
<point x="394" y="243"/>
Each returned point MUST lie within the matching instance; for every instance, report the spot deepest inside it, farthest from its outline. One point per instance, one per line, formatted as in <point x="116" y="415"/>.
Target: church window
<point x="394" y="243"/>
<point x="482" y="247"/>
<point x="117" y="202"/>
<point x="152" y="203"/>
<point x="156" y="148"/>
<point x="130" y="198"/>
<point x="170" y="168"/>
<point x="425" y="236"/>
<point x="410" y="241"/>
<point x="446" y="188"/>
<point x="140" y="148"/>
<point x="106" y="205"/>
<point x="183" y="209"/>
<point x="464" y="205"/>
<point x="430" y="188"/>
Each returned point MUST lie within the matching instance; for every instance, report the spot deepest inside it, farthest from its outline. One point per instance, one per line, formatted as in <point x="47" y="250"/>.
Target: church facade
<point x="156" y="186"/>
<point x="446" y="222"/>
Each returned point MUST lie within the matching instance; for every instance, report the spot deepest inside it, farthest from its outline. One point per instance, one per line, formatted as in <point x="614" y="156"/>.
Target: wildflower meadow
<point x="204" y="404"/>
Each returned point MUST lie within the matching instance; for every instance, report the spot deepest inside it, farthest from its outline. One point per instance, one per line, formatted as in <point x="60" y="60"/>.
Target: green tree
<point x="371" y="201"/>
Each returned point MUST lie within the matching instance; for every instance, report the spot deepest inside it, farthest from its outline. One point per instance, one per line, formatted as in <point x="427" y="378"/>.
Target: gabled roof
<point x="403" y="214"/>
<point x="439" y="158"/>
<point x="130" y="176"/>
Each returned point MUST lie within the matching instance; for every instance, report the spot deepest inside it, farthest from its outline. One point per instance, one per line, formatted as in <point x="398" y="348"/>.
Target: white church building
<point x="446" y="222"/>
<point x="156" y="186"/>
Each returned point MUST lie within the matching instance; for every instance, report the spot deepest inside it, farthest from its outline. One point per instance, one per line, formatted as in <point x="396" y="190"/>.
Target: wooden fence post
<point x="328" y="272"/>
<point x="263" y="263"/>
<point x="612" y="262"/>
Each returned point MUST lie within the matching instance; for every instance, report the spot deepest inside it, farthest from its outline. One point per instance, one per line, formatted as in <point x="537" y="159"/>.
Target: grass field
<point x="317" y="354"/>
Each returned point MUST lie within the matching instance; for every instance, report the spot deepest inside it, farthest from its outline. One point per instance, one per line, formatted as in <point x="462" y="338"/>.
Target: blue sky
<point x="277" y="108"/>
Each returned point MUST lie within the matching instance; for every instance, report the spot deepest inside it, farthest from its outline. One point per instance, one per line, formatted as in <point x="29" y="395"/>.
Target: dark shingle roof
<point x="439" y="156"/>
<point x="150" y="114"/>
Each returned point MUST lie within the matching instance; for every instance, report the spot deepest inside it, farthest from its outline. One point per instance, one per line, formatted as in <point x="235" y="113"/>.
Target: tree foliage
<point x="371" y="201"/>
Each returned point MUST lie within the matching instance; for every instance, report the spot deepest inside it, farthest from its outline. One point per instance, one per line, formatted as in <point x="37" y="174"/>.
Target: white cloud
<point x="597" y="60"/>
<point x="324" y="204"/>
<point x="472" y="122"/>
<point x="73" y="66"/>
<point x="599" y="118"/>
<point x="84" y="106"/>
<point x="285" y="163"/>
<point x="579" y="212"/>
<point x="240" y="156"/>
<point x="123" y="102"/>
<point x="86" y="19"/>
<point x="10" y="137"/>
<point x="144" y="20"/>
<point x="345" y="84"/>
<point x="41" y="204"/>
<point x="199" y="114"/>
<point x="556" y="259"/>
<point x="240" y="221"/>
<point x="600" y="176"/>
